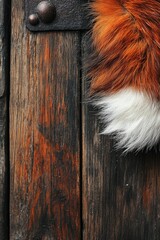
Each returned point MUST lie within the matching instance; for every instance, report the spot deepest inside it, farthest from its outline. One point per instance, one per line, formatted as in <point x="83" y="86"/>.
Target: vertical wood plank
<point x="95" y="149"/>
<point x="121" y="194"/>
<point x="44" y="133"/>
<point x="4" y="85"/>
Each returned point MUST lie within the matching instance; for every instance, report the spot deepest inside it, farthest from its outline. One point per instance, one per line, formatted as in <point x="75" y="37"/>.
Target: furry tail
<point x="125" y="69"/>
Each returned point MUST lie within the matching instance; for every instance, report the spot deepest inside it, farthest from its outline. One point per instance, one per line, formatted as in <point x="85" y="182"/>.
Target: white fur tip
<point x="132" y="117"/>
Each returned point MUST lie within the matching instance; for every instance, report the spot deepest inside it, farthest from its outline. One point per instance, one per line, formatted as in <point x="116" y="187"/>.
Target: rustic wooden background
<point x="66" y="181"/>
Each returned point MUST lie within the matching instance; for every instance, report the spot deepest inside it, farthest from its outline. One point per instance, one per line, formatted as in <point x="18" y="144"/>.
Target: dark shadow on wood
<point x="5" y="23"/>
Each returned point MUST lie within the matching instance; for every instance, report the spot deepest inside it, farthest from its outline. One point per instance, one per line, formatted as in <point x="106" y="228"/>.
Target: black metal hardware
<point x="56" y="15"/>
<point x="33" y="19"/>
<point x="46" y="11"/>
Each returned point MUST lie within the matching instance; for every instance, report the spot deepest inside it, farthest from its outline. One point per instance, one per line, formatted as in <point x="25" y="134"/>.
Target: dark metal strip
<point x="70" y="15"/>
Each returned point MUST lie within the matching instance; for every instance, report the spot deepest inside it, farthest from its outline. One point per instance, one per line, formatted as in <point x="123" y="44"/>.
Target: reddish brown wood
<point x="44" y="133"/>
<point x="120" y="193"/>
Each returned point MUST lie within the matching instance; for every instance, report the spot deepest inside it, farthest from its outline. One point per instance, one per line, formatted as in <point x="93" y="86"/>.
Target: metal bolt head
<point x="33" y="19"/>
<point x="46" y="11"/>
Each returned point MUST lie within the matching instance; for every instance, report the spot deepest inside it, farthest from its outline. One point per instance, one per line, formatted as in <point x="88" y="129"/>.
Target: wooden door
<point x="60" y="179"/>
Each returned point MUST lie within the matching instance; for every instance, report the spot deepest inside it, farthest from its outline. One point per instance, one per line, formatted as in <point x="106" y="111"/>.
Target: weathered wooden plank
<point x="4" y="84"/>
<point x="121" y="194"/>
<point x="95" y="150"/>
<point x="44" y="133"/>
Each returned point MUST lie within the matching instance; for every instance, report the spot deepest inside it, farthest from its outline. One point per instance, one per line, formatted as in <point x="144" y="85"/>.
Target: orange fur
<point x="126" y="39"/>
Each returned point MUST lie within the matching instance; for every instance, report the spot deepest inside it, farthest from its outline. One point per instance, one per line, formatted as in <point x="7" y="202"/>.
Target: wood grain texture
<point x="44" y="133"/>
<point x="121" y="194"/>
<point x="4" y="85"/>
<point x="95" y="149"/>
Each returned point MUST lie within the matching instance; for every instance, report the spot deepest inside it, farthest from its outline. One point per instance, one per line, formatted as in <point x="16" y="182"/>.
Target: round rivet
<point x="46" y="11"/>
<point x="33" y="19"/>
